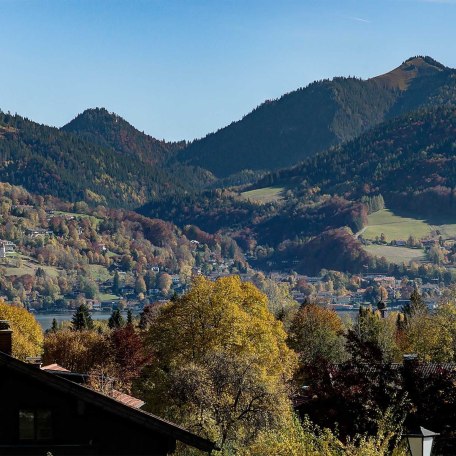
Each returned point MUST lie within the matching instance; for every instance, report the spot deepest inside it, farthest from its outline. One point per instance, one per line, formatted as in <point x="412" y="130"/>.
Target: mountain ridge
<point x="306" y="121"/>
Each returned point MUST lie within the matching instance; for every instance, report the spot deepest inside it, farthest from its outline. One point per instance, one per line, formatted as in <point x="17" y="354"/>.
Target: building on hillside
<point x="49" y="410"/>
<point x="38" y="232"/>
<point x="342" y="300"/>
<point x="385" y="281"/>
<point x="6" y="247"/>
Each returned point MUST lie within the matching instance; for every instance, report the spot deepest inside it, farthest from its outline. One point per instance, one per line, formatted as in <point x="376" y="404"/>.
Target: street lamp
<point x="420" y="443"/>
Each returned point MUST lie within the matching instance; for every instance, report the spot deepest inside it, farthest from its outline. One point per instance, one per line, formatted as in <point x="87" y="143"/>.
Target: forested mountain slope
<point x="47" y="160"/>
<point x="410" y="160"/>
<point x="110" y="130"/>
<point x="302" y="123"/>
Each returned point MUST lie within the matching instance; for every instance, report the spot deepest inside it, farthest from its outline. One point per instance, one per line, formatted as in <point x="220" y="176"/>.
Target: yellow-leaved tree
<point x="221" y="362"/>
<point x="27" y="333"/>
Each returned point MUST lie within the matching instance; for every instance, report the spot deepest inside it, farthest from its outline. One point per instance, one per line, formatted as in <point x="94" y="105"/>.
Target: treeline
<point x="333" y="249"/>
<point x="374" y="203"/>
<point x="110" y="130"/>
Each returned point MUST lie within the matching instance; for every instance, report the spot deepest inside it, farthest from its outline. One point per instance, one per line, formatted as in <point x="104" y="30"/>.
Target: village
<point x="107" y="278"/>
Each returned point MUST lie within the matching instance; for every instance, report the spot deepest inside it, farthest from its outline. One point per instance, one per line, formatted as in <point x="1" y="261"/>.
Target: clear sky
<point x="179" y="69"/>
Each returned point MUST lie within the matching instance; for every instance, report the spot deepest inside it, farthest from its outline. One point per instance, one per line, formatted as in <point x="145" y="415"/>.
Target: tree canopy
<point x="221" y="361"/>
<point x="27" y="333"/>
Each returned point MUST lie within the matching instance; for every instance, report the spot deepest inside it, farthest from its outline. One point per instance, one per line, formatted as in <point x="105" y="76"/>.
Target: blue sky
<point x="179" y="69"/>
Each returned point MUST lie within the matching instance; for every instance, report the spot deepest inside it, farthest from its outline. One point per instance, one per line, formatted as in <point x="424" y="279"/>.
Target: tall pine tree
<point x="82" y="319"/>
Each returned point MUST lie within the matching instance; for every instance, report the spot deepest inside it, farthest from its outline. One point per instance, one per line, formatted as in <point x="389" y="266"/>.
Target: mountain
<point x="410" y="160"/>
<point x="110" y="130"/>
<point x="282" y="132"/>
<point x="83" y="164"/>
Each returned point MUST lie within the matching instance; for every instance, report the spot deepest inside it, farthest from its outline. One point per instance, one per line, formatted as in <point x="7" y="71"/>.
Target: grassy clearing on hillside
<point x="78" y="215"/>
<point x="395" y="227"/>
<point x="447" y="230"/>
<point x="27" y="266"/>
<point x="264" y="195"/>
<point x="98" y="272"/>
<point x="397" y="255"/>
<point x="108" y="297"/>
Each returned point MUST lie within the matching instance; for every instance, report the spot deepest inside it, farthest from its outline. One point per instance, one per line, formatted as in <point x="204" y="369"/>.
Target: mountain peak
<point x="423" y="60"/>
<point x="92" y="116"/>
<point x="98" y="125"/>
<point x="410" y="69"/>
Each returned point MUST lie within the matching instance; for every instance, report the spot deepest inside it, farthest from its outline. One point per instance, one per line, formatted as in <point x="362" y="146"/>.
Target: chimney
<point x="6" y="338"/>
<point x="34" y="361"/>
<point x="410" y="361"/>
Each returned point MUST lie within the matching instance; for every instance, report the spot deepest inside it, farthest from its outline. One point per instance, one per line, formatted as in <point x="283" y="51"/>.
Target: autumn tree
<point x="164" y="282"/>
<point x="317" y="334"/>
<point x="78" y="351"/>
<point x="128" y="355"/>
<point x="27" y="333"/>
<point x="431" y="337"/>
<point x="221" y="361"/>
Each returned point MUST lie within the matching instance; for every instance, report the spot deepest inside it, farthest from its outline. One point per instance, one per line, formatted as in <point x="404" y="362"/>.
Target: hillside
<point x="110" y="130"/>
<point x="410" y="161"/>
<point x="292" y="216"/>
<point x="116" y="171"/>
<point x="282" y="132"/>
<point x="59" y="254"/>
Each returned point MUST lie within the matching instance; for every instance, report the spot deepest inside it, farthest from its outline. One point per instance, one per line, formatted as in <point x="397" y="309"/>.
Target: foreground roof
<point x="111" y="405"/>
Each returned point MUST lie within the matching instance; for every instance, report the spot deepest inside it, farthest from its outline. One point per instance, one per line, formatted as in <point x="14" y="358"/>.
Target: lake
<point x="45" y="320"/>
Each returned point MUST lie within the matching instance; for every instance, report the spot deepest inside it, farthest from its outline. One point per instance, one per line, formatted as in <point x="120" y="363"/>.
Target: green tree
<point x="116" y="283"/>
<point x="54" y="326"/>
<point x="116" y="320"/>
<point x="129" y="318"/>
<point x="140" y="285"/>
<point x="371" y="328"/>
<point x="82" y="320"/>
<point x="416" y="305"/>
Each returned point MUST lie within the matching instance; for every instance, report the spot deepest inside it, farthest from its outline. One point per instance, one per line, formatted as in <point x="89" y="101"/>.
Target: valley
<point x="378" y="148"/>
<point x="228" y="228"/>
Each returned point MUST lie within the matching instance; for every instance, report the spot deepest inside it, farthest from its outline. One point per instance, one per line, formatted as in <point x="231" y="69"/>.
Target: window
<point x="35" y="424"/>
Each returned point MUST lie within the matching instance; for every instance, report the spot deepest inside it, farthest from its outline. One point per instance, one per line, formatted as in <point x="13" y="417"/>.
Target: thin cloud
<point x="358" y="19"/>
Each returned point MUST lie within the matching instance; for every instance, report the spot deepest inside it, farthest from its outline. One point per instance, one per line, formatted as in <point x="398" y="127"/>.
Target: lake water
<point x="45" y="320"/>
